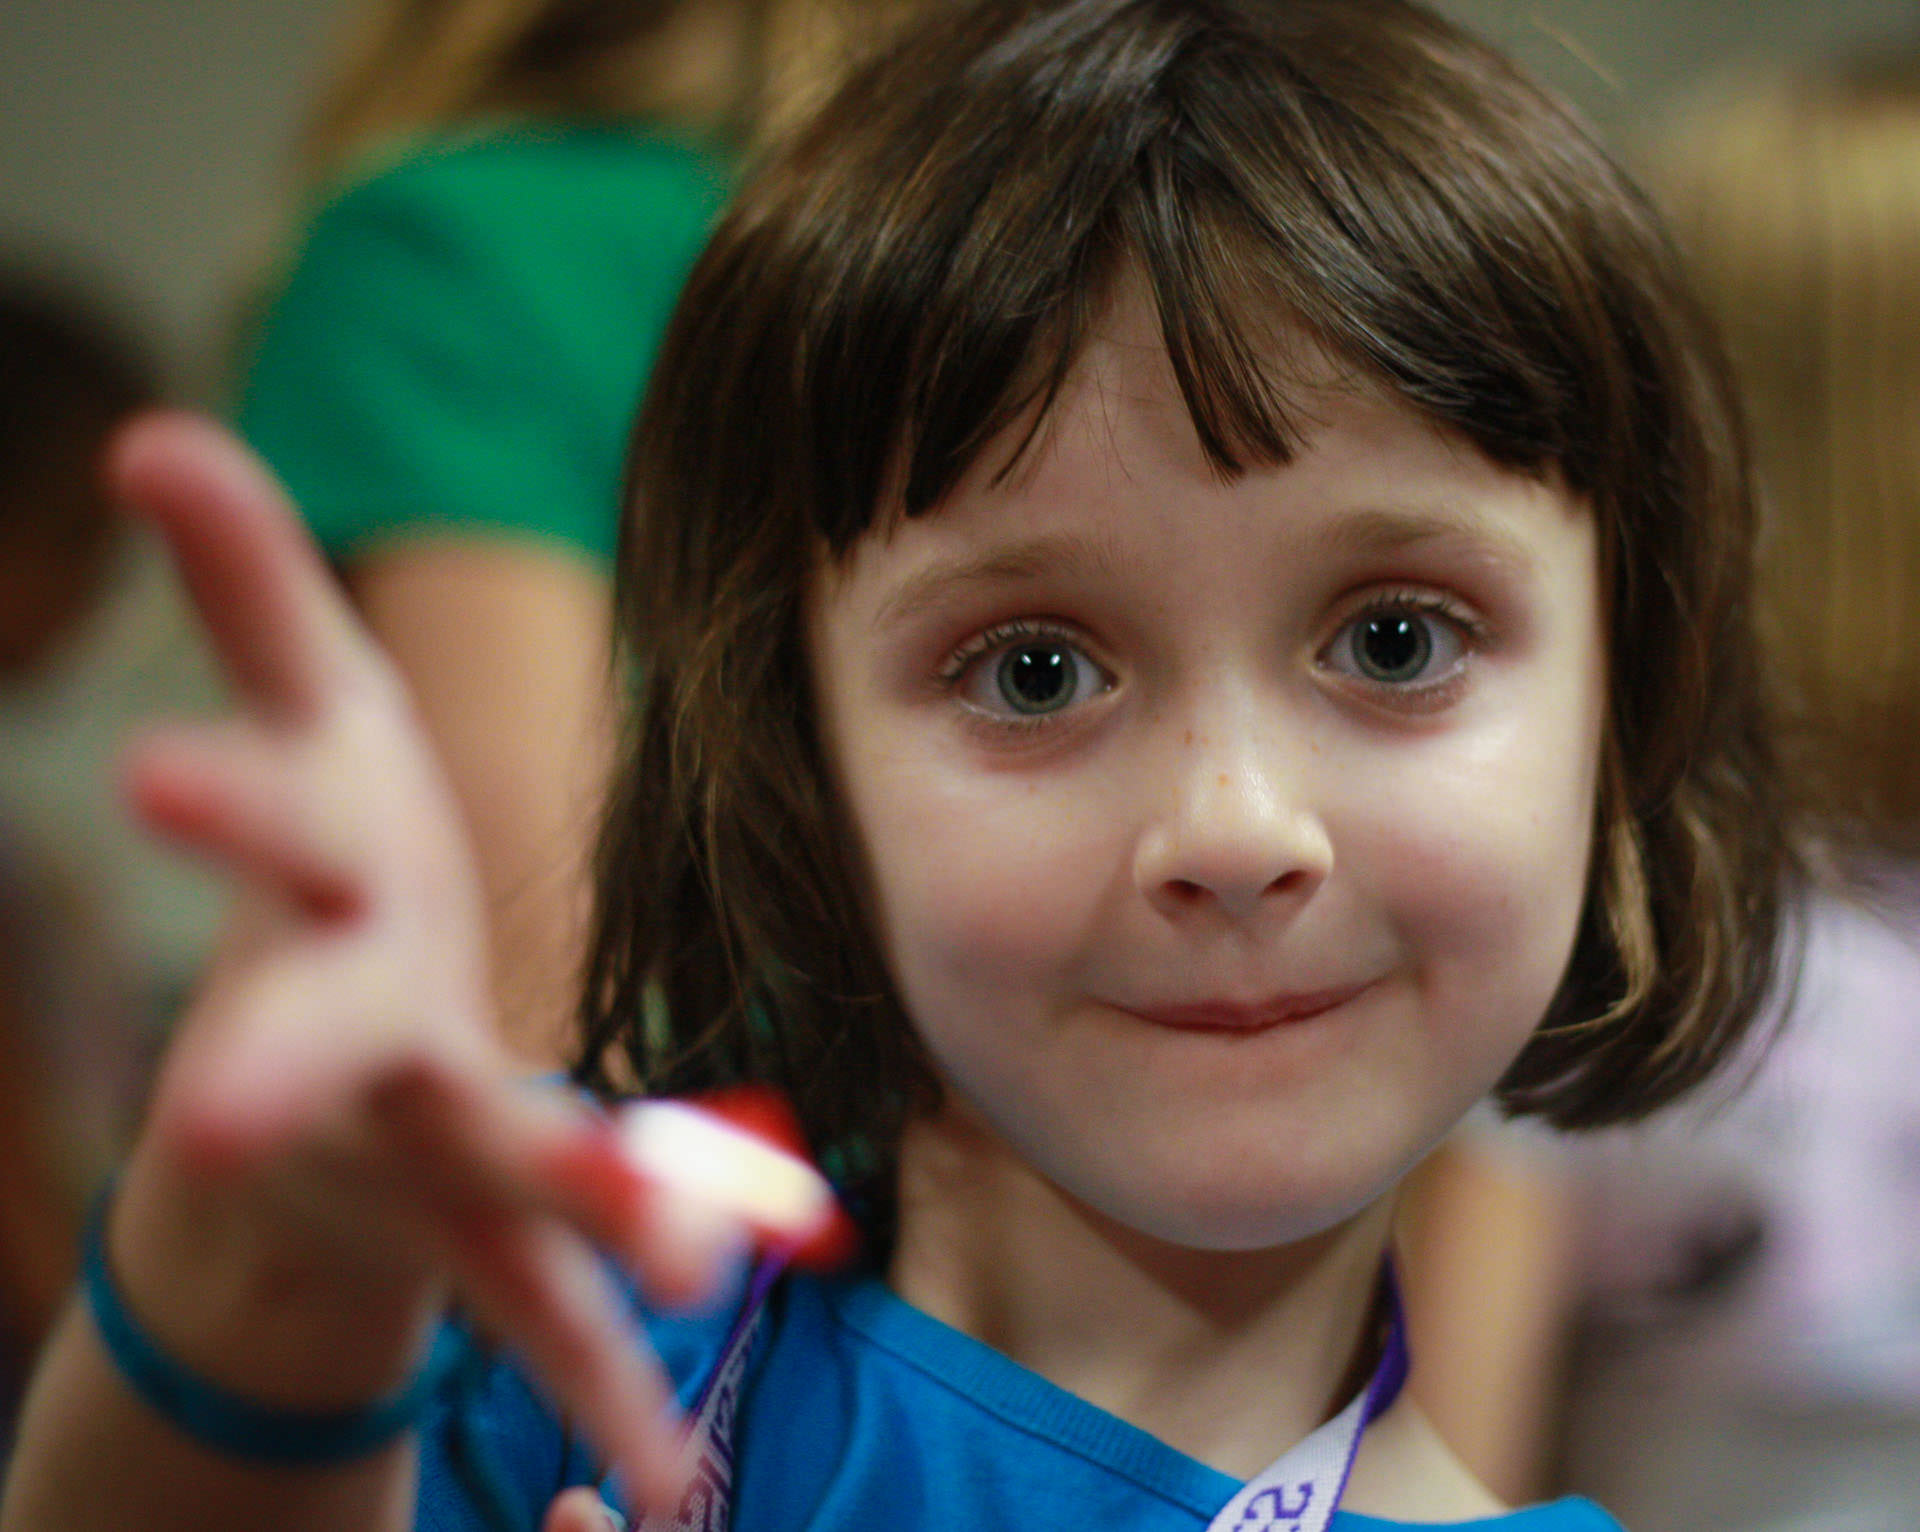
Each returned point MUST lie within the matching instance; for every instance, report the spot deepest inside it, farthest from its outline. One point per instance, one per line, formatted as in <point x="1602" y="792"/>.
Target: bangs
<point x="1273" y="175"/>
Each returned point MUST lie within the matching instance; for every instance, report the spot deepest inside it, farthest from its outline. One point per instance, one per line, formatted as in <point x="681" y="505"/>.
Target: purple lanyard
<point x="1298" y="1492"/>
<point x="1301" y="1489"/>
<point x="708" y="1506"/>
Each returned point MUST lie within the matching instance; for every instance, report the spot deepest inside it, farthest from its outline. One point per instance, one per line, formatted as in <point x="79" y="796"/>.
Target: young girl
<point x="1191" y="560"/>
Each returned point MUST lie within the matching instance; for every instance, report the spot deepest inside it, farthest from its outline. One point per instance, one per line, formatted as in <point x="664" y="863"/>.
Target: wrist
<point x="235" y="1424"/>
<point x="252" y="1301"/>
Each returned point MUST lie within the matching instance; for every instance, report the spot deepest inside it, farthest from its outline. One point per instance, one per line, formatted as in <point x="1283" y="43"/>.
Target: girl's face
<point x="1225" y="841"/>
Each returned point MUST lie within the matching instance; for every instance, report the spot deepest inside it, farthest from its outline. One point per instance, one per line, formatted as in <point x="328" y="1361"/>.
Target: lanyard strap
<point x="1303" y="1487"/>
<point x="708" y="1504"/>
<point x="1298" y="1492"/>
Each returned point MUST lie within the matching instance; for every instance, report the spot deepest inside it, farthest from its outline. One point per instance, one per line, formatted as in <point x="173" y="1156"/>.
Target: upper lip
<point x="1226" y="1015"/>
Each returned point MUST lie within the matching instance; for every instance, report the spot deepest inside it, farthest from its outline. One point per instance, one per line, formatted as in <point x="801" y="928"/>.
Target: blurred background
<point x="152" y="195"/>
<point x="144" y="143"/>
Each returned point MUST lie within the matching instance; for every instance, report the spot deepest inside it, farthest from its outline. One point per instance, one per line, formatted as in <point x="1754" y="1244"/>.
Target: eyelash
<point x="960" y="664"/>
<point x="1430" y="603"/>
<point x="1474" y="635"/>
<point x="998" y="637"/>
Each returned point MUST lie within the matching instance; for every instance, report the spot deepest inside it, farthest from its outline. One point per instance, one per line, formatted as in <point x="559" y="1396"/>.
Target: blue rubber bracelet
<point x="228" y="1422"/>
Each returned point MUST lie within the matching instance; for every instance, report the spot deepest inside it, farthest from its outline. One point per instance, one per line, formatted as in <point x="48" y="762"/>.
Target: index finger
<point x="279" y="625"/>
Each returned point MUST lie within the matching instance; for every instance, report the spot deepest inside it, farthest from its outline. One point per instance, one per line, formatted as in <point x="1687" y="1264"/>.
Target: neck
<point x="1229" y="1356"/>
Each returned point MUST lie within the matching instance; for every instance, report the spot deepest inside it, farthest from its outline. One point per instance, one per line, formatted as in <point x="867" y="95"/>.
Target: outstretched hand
<point x="337" y="1101"/>
<point x="356" y="902"/>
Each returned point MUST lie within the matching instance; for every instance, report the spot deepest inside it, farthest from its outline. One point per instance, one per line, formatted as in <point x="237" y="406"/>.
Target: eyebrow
<point x="1368" y="532"/>
<point x="1375" y="530"/>
<point x="1067" y="554"/>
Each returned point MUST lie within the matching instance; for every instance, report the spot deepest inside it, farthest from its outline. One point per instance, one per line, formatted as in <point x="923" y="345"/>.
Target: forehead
<point x="1114" y="484"/>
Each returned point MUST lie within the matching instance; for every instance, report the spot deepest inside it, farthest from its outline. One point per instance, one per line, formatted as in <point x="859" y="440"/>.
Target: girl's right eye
<point x="1020" y="672"/>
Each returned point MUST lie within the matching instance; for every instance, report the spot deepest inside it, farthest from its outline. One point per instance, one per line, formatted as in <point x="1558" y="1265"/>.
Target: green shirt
<point x="463" y="337"/>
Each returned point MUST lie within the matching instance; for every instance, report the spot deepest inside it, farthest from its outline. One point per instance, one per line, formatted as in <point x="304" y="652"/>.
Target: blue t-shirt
<point x="860" y="1413"/>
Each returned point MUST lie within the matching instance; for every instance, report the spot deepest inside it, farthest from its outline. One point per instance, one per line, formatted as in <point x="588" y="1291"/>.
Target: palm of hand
<point x="337" y="1092"/>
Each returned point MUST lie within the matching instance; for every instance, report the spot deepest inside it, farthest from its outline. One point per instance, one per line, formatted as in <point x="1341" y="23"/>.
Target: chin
<point x="1236" y="1209"/>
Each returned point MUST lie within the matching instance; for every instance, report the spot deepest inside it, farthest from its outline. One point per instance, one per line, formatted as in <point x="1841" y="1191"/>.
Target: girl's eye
<point x="1399" y="645"/>
<point x="1023" y="676"/>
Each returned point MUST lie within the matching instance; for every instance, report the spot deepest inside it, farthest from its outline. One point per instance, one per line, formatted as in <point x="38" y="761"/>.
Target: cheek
<point x="1487" y="876"/>
<point x="978" y="883"/>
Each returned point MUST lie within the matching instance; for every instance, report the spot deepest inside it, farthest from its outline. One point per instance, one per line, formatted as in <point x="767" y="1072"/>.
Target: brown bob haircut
<point x="915" y="272"/>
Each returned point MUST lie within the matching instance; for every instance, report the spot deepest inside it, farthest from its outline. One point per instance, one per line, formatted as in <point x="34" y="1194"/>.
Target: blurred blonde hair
<point x="727" y="67"/>
<point x="1796" y="197"/>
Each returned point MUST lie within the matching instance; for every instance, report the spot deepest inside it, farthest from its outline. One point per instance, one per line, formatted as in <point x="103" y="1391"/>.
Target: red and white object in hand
<point x="730" y="1162"/>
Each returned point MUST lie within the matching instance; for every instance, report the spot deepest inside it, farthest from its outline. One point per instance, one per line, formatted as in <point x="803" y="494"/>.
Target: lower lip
<point x="1246" y="1025"/>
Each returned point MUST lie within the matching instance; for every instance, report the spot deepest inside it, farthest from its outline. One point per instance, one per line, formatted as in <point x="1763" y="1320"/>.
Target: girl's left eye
<point x="1019" y="675"/>
<point x="1400" y="644"/>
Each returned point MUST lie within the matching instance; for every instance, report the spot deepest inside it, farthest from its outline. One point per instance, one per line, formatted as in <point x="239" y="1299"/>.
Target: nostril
<point x="1189" y="893"/>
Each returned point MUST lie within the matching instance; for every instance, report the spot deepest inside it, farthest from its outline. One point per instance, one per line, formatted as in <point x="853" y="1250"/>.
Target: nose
<point x="1239" y="833"/>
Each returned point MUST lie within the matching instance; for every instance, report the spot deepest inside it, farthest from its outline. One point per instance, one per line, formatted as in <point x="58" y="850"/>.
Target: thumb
<point x="582" y="1510"/>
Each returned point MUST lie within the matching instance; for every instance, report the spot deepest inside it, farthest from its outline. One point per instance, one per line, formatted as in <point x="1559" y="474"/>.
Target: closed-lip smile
<point x="1247" y="1016"/>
